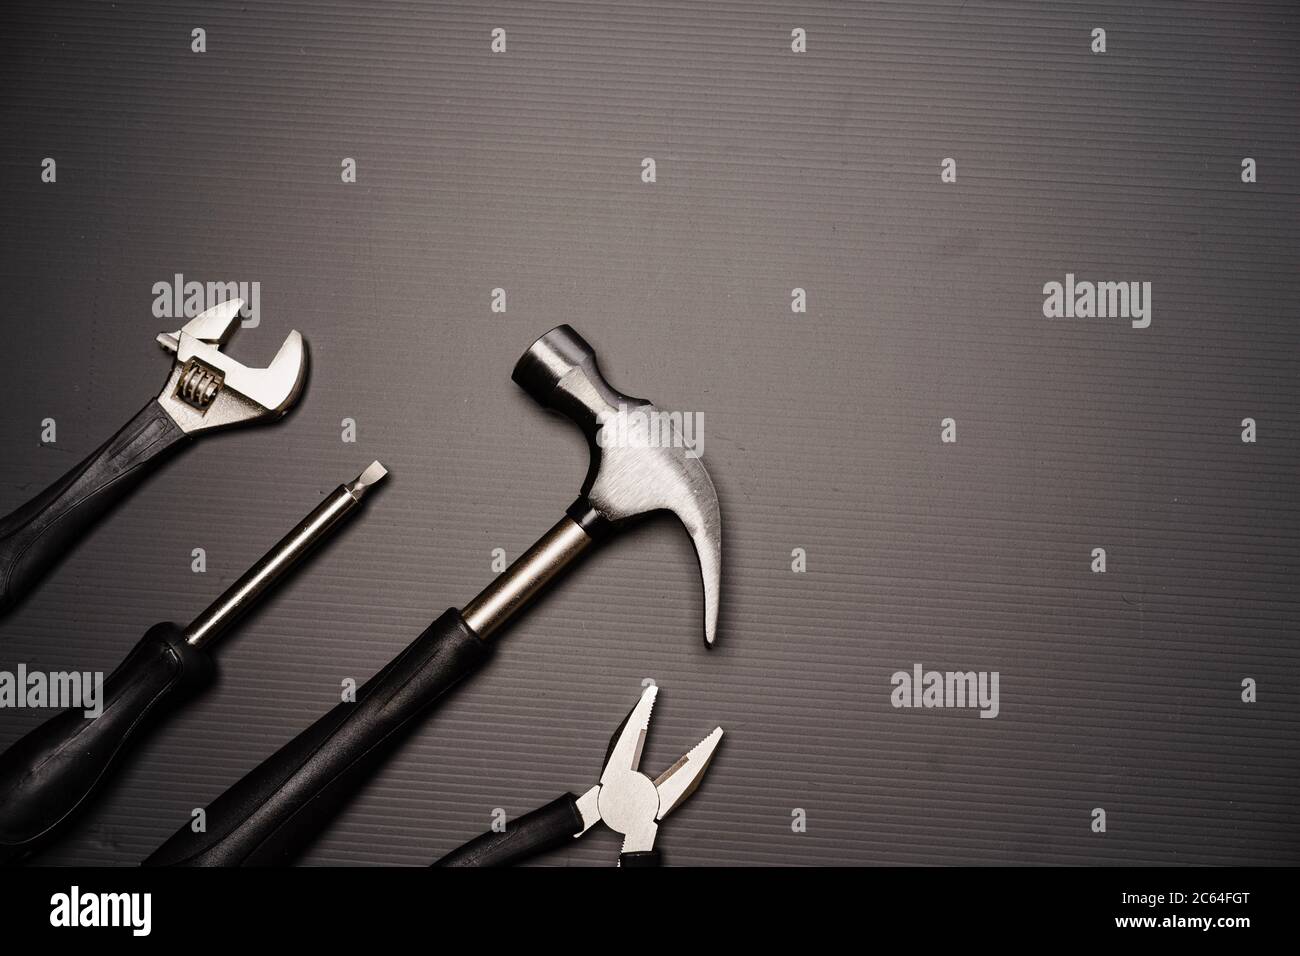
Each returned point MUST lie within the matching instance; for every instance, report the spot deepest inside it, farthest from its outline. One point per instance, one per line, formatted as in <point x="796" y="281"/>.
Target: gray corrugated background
<point x="822" y="430"/>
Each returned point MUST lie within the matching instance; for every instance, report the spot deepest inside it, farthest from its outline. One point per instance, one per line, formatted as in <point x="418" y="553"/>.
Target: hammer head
<point x="640" y="461"/>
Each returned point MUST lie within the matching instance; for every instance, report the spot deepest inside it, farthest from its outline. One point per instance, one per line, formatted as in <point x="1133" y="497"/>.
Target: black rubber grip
<point x="50" y="774"/>
<point x="270" y="815"/>
<point x="544" y="829"/>
<point x="639" y="858"/>
<point x="37" y="534"/>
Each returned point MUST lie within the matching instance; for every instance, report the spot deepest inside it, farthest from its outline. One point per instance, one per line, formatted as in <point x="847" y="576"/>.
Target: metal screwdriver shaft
<point x="54" y="771"/>
<point x="225" y="610"/>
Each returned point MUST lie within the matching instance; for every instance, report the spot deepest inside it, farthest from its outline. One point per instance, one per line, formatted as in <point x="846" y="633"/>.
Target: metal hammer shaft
<point x="527" y="577"/>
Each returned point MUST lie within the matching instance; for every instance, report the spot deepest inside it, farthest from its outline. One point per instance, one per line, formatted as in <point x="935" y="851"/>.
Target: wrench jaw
<point x="207" y="389"/>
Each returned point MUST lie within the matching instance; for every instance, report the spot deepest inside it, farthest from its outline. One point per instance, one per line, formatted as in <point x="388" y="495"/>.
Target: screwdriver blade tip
<point x="375" y="472"/>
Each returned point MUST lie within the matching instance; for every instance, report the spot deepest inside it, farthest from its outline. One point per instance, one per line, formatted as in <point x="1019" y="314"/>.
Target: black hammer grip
<point x="47" y="776"/>
<point x="270" y="815"/>
<point x="544" y="829"/>
<point x="36" y="535"/>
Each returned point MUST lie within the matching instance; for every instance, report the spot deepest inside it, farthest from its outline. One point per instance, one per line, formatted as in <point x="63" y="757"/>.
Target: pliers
<point x="627" y="800"/>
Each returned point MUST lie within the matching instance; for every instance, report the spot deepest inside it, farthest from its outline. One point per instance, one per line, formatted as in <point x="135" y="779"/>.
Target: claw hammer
<point x="270" y="815"/>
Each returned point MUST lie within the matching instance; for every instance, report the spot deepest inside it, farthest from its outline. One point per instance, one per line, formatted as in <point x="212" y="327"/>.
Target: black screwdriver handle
<point x="47" y="776"/>
<point x="37" y="534"/>
<point x="544" y="829"/>
<point x="270" y="815"/>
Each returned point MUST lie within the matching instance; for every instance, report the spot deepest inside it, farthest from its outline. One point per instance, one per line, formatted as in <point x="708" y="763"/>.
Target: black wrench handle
<point x="270" y="815"/>
<point x="37" y="534"/>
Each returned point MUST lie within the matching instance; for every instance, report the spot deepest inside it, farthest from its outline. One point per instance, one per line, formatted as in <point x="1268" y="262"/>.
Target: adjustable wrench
<point x="206" y="390"/>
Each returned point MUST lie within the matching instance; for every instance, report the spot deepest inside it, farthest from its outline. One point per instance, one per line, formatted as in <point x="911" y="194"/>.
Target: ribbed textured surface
<point x="775" y="170"/>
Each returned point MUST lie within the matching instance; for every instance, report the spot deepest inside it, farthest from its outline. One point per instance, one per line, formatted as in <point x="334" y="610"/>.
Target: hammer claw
<point x="699" y="513"/>
<point x="708" y="548"/>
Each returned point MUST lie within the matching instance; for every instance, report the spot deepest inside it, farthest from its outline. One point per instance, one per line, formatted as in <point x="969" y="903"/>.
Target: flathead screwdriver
<point x="54" y="771"/>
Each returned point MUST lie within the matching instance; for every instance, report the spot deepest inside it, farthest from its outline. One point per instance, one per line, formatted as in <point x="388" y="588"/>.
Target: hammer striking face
<point x="635" y="468"/>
